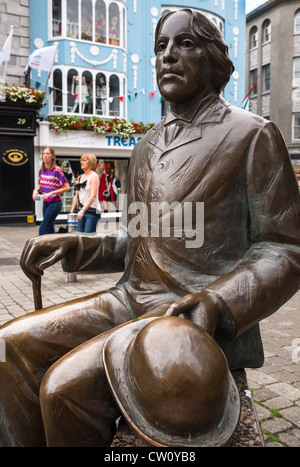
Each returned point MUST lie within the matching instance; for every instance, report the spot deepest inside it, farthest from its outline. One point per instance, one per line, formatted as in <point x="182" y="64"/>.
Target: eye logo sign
<point x="15" y="157"/>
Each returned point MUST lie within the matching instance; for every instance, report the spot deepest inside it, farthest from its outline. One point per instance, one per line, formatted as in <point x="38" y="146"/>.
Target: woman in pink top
<point x="52" y="183"/>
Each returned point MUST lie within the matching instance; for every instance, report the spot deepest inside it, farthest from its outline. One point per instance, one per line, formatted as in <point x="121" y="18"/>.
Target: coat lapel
<point x="172" y="131"/>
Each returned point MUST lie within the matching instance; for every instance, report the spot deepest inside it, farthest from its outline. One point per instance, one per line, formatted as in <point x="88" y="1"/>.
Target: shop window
<point x="57" y="91"/>
<point x="86" y="20"/>
<point x="267" y="31"/>
<point x="297" y="23"/>
<point x="100" y="22"/>
<point x="266" y="78"/>
<point x="114" y="93"/>
<point x="72" y="19"/>
<point x="114" y="24"/>
<point x="89" y="92"/>
<point x="296" y="129"/>
<point x="56" y="18"/>
<point x="253" y="38"/>
<point x="101" y="95"/>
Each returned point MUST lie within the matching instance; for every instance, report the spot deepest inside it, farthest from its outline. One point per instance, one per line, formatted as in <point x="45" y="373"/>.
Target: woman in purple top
<point x="52" y="183"/>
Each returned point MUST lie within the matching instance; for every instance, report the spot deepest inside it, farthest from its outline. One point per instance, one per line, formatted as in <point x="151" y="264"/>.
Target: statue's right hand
<point x="41" y="252"/>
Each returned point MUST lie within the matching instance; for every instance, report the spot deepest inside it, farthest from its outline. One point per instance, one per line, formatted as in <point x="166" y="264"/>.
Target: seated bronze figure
<point x="59" y="385"/>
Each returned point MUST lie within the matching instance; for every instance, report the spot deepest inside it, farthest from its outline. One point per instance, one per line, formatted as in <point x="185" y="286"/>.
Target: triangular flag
<point x="129" y="97"/>
<point x="152" y="94"/>
<point x="75" y="96"/>
<point x="6" y="49"/>
<point x="121" y="98"/>
<point x="42" y="59"/>
<point x="37" y="84"/>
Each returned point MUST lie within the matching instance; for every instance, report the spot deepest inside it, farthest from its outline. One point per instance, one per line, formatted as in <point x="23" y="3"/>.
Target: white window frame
<point x="294" y="127"/>
<point x="264" y="70"/>
<point x="296" y="72"/>
<point x="94" y="72"/>
<point x="122" y="23"/>
<point x="253" y="34"/>
<point x="267" y="31"/>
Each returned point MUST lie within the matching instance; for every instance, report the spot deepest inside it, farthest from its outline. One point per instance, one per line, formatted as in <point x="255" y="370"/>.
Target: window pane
<point x="267" y="31"/>
<point x="56" y="18"/>
<point x="297" y="126"/>
<point x="86" y="20"/>
<point x="253" y="37"/>
<point x="72" y="19"/>
<point x="100" y="22"/>
<point x="87" y="93"/>
<point x="253" y="80"/>
<point x="57" y="91"/>
<point x="101" y="95"/>
<point x="267" y="77"/>
<point x="72" y="75"/>
<point x="297" y="71"/>
<point x="114" y="93"/>
<point x="114" y="24"/>
<point x="297" y="23"/>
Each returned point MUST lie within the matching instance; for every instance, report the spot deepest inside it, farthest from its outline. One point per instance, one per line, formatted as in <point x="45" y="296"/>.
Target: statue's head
<point x="191" y="56"/>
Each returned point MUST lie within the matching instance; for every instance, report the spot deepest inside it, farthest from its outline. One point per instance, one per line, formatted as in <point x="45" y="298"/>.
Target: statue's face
<point x="182" y="66"/>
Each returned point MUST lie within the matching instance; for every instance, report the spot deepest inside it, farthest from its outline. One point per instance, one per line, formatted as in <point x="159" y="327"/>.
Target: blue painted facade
<point x="132" y="61"/>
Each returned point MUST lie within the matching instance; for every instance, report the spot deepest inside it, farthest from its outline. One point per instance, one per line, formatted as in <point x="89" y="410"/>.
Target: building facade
<point x="105" y="68"/>
<point x="273" y="68"/>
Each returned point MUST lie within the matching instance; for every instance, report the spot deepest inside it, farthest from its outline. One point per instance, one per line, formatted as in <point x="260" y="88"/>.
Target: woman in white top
<point x="86" y="195"/>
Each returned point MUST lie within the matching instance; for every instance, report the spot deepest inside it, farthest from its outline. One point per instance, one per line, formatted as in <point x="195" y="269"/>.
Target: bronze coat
<point x="237" y="164"/>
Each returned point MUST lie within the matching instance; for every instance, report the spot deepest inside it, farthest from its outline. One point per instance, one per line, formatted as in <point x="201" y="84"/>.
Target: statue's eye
<point x="161" y="46"/>
<point x="188" y="44"/>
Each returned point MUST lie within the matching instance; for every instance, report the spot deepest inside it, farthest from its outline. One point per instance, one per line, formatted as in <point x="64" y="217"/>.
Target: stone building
<point x="15" y="13"/>
<point x="273" y="64"/>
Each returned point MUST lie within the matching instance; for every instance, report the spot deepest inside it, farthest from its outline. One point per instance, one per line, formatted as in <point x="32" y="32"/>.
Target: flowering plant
<point x="28" y="95"/>
<point x="121" y="127"/>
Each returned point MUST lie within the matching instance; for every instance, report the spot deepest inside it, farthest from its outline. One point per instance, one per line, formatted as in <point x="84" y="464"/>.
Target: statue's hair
<point x="217" y="49"/>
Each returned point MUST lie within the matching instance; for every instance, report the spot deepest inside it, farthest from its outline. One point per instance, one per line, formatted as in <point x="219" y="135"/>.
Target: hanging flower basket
<point x="23" y="95"/>
<point x="119" y="126"/>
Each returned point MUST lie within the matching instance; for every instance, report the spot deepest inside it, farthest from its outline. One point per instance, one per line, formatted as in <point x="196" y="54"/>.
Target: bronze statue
<point x="55" y="388"/>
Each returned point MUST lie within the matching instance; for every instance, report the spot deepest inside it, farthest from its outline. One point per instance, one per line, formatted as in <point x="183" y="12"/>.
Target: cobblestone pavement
<point x="275" y="386"/>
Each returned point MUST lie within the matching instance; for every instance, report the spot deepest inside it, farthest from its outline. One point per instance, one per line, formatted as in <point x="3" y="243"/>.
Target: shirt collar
<point x="188" y="116"/>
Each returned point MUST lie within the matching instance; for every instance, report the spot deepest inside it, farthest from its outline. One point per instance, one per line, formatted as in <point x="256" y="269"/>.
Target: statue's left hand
<point x="200" y="308"/>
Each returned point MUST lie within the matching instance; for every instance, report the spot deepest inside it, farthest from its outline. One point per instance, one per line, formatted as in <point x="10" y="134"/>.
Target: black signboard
<point x="17" y="118"/>
<point x="16" y="178"/>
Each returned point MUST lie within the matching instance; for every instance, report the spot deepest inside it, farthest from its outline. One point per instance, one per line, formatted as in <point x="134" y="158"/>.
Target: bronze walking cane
<point x="37" y="295"/>
<point x="36" y="282"/>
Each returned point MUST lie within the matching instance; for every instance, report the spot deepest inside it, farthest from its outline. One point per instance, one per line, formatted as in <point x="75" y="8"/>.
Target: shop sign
<point x="118" y="141"/>
<point x="15" y="157"/>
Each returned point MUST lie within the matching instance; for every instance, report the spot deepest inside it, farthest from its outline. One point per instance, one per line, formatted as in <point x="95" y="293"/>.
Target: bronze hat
<point x="172" y="383"/>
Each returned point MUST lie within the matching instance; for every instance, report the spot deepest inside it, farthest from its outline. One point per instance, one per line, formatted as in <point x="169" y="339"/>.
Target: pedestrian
<point x="86" y="195"/>
<point x="52" y="183"/>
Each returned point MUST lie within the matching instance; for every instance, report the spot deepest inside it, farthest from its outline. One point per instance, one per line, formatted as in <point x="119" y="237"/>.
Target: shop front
<point x="113" y="153"/>
<point x="17" y="132"/>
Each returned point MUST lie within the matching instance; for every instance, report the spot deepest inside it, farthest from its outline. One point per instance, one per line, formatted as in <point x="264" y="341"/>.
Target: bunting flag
<point x="110" y="99"/>
<point x="42" y="59"/>
<point x="246" y="99"/>
<point x="6" y="49"/>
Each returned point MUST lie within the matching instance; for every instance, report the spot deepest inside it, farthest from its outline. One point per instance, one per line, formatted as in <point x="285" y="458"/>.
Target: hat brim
<point x="114" y="353"/>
